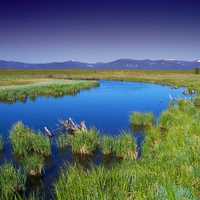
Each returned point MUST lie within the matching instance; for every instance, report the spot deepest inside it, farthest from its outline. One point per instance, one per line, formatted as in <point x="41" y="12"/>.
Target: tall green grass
<point x="12" y="182"/>
<point x="22" y="93"/>
<point x="124" y="146"/>
<point x="33" y="165"/>
<point x="107" y="145"/>
<point x="142" y="120"/>
<point x="25" y="141"/>
<point x="84" y="142"/>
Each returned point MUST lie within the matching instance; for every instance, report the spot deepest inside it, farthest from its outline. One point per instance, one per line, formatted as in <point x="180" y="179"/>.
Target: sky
<point x="99" y="30"/>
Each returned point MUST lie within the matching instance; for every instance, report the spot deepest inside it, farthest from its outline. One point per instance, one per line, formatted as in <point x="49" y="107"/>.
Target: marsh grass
<point x="33" y="165"/>
<point x="169" y="168"/>
<point x="54" y="88"/>
<point x="118" y="183"/>
<point x="166" y="119"/>
<point x="84" y="142"/>
<point x="152" y="141"/>
<point x="142" y="120"/>
<point x="25" y="141"/>
<point x="12" y="182"/>
<point x="124" y="146"/>
<point x="107" y="145"/>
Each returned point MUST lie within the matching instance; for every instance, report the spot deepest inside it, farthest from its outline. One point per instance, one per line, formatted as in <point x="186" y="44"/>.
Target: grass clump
<point x="1" y="144"/>
<point x="84" y="142"/>
<point x="12" y="182"/>
<point x="122" y="146"/>
<point x="125" y="147"/>
<point x="142" y="120"/>
<point x="107" y="145"/>
<point x="33" y="165"/>
<point x="197" y="101"/>
<point x="166" y="120"/>
<point x="31" y="148"/>
<point x="25" y="141"/>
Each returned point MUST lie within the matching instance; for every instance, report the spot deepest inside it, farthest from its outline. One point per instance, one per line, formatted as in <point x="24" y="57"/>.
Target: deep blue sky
<point x="103" y="30"/>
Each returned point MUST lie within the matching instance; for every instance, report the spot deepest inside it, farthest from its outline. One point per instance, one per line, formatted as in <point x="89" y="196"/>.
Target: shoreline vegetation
<point x="188" y="79"/>
<point x="20" y="85"/>
<point x="169" y="165"/>
<point x="47" y="88"/>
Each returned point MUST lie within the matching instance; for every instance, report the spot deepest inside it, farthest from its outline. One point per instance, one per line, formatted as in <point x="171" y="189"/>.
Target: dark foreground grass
<point x="12" y="182"/>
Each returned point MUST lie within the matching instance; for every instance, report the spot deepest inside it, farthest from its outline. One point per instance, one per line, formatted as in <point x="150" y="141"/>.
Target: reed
<point x="142" y="120"/>
<point x="33" y="165"/>
<point x="25" y="141"/>
<point x="124" y="146"/>
<point x="166" y="120"/>
<point x="121" y="182"/>
<point x="12" y="182"/>
<point x="107" y="145"/>
<point x="52" y="88"/>
<point x="153" y="138"/>
<point x="84" y="142"/>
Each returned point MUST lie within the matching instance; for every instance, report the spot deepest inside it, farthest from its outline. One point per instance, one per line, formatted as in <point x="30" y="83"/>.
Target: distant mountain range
<point x="117" y="64"/>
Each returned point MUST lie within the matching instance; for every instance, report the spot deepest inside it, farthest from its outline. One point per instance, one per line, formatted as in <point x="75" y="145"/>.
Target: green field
<point x="20" y="89"/>
<point x="175" y="78"/>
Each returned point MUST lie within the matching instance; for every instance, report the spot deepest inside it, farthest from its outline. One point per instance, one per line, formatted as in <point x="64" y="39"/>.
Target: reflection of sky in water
<point x="107" y="107"/>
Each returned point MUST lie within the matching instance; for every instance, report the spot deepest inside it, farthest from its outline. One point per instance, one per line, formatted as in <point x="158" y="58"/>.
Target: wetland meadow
<point x="142" y="139"/>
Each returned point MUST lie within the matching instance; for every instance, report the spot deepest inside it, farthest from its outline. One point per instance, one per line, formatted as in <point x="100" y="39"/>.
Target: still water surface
<point x="107" y="107"/>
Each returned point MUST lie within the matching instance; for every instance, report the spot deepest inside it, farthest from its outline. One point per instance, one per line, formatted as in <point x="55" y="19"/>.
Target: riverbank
<point x="20" y="90"/>
<point x="174" y="78"/>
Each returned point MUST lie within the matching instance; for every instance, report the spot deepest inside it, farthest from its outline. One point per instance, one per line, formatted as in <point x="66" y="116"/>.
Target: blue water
<point x="107" y="107"/>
